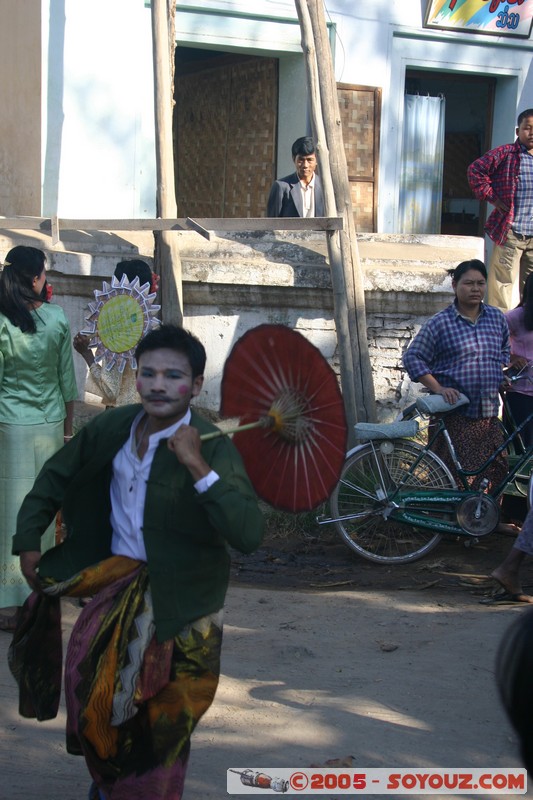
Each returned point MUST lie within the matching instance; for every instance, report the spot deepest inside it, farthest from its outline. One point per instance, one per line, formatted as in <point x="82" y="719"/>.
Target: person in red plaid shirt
<point x="504" y="177"/>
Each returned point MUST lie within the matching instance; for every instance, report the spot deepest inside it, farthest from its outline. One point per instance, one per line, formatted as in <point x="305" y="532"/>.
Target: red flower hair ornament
<point x="154" y="285"/>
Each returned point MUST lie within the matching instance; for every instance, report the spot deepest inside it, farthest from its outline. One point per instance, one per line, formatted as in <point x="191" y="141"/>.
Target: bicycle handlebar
<point x="511" y="377"/>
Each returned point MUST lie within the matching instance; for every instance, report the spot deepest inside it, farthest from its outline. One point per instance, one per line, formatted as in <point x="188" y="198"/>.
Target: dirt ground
<point x="318" y="559"/>
<point x="327" y="659"/>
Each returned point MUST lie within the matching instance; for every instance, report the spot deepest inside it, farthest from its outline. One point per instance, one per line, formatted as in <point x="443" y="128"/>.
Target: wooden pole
<point x="346" y="275"/>
<point x="166" y="253"/>
<point x="340" y="290"/>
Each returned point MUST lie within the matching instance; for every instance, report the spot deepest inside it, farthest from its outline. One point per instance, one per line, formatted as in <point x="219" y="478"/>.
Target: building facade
<point x="76" y="90"/>
<point x="76" y="85"/>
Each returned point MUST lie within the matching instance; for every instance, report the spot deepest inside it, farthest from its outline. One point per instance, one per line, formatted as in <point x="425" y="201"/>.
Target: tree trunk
<point x="346" y="275"/>
<point x="166" y="253"/>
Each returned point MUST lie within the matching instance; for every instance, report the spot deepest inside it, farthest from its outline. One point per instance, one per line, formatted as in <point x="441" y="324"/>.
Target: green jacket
<point x="186" y="534"/>
<point x="36" y="369"/>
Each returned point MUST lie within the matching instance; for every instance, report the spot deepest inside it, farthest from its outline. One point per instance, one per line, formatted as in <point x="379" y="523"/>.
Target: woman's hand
<point x="450" y="395"/>
<point x="518" y="362"/>
<point x="81" y="345"/>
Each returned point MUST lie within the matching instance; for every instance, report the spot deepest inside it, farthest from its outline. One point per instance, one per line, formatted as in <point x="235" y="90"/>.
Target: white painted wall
<point x="98" y="148"/>
<point x="98" y="118"/>
<point x="378" y="41"/>
<point x="236" y="281"/>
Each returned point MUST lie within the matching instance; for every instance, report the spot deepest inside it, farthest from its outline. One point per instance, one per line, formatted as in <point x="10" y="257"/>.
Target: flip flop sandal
<point x="503" y="597"/>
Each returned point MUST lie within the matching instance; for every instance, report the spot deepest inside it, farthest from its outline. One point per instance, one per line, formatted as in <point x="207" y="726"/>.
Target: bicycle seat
<point x="387" y="430"/>
<point x="436" y="404"/>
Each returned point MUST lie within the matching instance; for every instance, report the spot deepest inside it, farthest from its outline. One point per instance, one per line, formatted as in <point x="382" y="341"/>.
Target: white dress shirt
<point x="128" y="489"/>
<point x="308" y="197"/>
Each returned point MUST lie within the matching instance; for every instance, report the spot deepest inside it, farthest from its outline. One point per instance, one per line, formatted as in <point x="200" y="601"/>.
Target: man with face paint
<point x="151" y="511"/>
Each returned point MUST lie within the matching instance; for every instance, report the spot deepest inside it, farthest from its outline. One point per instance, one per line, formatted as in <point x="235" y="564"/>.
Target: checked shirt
<point x="467" y="356"/>
<point x="495" y="175"/>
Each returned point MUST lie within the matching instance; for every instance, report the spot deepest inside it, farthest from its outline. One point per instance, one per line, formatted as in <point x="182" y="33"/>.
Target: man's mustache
<point x="155" y="397"/>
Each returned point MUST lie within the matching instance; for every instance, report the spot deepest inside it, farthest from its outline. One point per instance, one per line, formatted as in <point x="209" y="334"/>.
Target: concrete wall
<point x="374" y="43"/>
<point x="238" y="281"/>
<point x="20" y="104"/>
<point x="98" y="129"/>
<point x="78" y="116"/>
<point x="95" y="131"/>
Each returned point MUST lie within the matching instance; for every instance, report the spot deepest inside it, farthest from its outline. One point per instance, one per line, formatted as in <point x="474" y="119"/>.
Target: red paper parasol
<point x="277" y="380"/>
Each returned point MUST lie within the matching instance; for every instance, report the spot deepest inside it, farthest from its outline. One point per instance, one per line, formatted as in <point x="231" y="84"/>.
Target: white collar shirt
<point x="128" y="489"/>
<point x="308" y="197"/>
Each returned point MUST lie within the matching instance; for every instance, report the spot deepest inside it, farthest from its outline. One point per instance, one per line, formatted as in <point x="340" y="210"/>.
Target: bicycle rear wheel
<point x="359" y="501"/>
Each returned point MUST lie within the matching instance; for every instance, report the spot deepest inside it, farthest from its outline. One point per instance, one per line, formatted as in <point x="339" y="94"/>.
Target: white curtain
<point x="422" y="164"/>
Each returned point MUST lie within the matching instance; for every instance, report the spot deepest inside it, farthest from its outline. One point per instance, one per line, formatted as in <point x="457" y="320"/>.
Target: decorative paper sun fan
<point x="281" y="386"/>
<point x="121" y="314"/>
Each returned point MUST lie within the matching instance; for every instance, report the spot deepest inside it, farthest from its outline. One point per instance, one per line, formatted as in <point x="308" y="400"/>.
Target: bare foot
<point x="523" y="598"/>
<point x="511" y="584"/>
<point x="508" y="529"/>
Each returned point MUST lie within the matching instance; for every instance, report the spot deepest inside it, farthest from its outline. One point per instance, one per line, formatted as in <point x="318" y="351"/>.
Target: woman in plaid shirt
<point x="464" y="349"/>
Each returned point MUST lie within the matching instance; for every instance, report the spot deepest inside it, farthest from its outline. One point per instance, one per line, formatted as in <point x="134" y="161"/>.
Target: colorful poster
<point x="496" y="17"/>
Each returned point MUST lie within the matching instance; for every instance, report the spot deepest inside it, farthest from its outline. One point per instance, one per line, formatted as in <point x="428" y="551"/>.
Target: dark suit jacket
<point x="285" y="199"/>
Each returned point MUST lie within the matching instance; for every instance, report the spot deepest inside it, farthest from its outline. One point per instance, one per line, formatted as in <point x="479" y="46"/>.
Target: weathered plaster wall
<point x="20" y="104"/>
<point x="238" y="281"/>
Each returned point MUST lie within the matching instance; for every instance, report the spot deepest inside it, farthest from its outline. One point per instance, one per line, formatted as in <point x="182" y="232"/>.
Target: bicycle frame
<point x="398" y="500"/>
<point x="428" y="508"/>
<point x="463" y="474"/>
<point x="508" y="417"/>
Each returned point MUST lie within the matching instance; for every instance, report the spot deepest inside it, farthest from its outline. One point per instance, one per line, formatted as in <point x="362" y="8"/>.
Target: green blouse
<point x="36" y="369"/>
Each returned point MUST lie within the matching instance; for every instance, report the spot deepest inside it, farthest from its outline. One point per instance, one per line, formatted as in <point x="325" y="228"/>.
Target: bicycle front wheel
<point x="359" y="501"/>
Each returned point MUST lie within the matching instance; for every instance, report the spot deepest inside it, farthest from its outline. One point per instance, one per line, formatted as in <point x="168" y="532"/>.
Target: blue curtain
<point x="422" y="164"/>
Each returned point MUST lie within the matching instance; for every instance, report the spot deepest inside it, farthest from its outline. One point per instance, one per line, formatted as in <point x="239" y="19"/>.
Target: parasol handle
<point x="260" y="423"/>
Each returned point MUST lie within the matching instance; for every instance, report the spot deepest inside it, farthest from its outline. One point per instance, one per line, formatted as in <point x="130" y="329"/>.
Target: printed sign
<point x="496" y="17"/>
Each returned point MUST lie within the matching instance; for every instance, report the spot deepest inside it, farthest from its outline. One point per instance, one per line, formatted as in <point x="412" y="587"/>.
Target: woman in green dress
<point x="37" y="393"/>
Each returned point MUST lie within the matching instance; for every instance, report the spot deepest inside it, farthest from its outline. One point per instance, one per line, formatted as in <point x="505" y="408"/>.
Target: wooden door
<point x="360" y="112"/>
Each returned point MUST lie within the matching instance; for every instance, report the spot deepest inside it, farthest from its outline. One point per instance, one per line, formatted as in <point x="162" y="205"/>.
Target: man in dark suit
<point x="299" y="194"/>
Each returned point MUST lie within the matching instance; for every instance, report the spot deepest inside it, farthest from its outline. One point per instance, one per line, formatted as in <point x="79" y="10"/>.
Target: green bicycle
<point x="396" y="499"/>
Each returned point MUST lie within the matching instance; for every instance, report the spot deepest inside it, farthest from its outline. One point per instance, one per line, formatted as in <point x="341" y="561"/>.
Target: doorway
<point x="467" y="135"/>
<point x="225" y="122"/>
